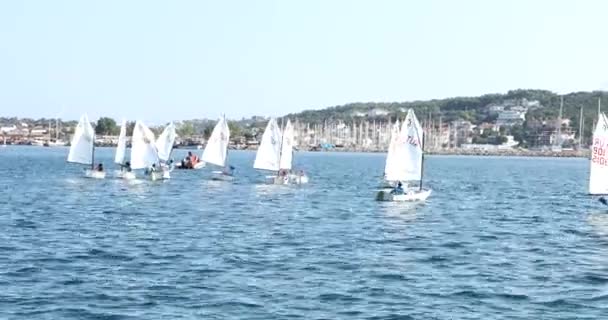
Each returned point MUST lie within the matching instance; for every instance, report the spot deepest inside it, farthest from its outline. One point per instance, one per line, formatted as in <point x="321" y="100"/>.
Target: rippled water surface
<point x="499" y="238"/>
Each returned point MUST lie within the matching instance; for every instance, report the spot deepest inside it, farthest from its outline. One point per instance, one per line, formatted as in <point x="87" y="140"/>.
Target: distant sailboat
<point x="143" y="151"/>
<point x="165" y="142"/>
<point x="216" y="151"/>
<point x="268" y="156"/>
<point x="82" y="148"/>
<point x="286" y="158"/>
<point x="119" y="157"/>
<point x="405" y="161"/>
<point x="393" y="157"/>
<point x="598" y="170"/>
<point x="57" y="142"/>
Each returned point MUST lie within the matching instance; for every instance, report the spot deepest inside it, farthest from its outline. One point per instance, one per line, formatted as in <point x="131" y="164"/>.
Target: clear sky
<point x="171" y="60"/>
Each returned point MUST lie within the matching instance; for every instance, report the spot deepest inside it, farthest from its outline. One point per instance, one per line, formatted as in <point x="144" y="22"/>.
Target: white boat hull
<point x="220" y="176"/>
<point x="289" y="179"/>
<point x="126" y="175"/>
<point x="157" y="175"/>
<point x="298" y="179"/>
<point x="94" y="174"/>
<point x="408" y="196"/>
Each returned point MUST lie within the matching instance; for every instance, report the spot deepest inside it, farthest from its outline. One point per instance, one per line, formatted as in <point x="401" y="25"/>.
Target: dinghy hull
<point x="289" y="179"/>
<point x="94" y="174"/>
<point x="199" y="165"/>
<point x="409" y="196"/>
<point x="125" y="175"/>
<point x="220" y="176"/>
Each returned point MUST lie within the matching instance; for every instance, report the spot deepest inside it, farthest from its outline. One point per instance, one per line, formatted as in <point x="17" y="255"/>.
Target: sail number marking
<point x="599" y="152"/>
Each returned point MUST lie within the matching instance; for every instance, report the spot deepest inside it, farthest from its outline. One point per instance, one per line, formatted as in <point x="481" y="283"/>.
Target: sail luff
<point x="598" y="171"/>
<point x="81" y="147"/>
<point x="285" y="161"/>
<point x="269" y="152"/>
<point x="143" y="150"/>
<point x="216" y="150"/>
<point x="121" y="146"/>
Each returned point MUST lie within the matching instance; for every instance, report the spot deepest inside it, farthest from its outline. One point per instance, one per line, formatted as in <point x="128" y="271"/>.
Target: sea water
<point x="499" y="238"/>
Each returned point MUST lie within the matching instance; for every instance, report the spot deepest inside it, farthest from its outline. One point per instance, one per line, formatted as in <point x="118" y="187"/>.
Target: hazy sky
<point x="164" y="60"/>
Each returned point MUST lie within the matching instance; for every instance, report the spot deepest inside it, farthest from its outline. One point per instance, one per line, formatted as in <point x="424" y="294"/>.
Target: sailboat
<point x="216" y="151"/>
<point x="286" y="159"/>
<point x="121" y="149"/>
<point x="598" y="171"/>
<point x="164" y="147"/>
<point x="57" y="142"/>
<point x="143" y="151"/>
<point x="405" y="161"/>
<point x="392" y="156"/>
<point x="268" y="156"/>
<point x="557" y="147"/>
<point x="82" y="148"/>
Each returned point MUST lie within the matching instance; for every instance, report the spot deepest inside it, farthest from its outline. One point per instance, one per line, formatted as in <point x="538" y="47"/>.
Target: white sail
<point x="121" y="147"/>
<point x="269" y="152"/>
<point x="392" y="156"/>
<point x="598" y="173"/>
<point x="407" y="152"/>
<point x="165" y="141"/>
<point x="287" y="147"/>
<point x="216" y="150"/>
<point x="143" y="149"/>
<point x="81" y="148"/>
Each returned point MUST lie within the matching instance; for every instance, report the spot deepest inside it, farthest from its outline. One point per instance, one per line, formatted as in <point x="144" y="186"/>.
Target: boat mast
<point x="93" y="154"/>
<point x="227" y="143"/>
<point x="559" y="124"/>
<point x="580" y="130"/>
<point x="422" y="163"/>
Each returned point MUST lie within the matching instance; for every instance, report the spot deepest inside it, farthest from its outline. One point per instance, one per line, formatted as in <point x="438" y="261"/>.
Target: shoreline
<point x="448" y="152"/>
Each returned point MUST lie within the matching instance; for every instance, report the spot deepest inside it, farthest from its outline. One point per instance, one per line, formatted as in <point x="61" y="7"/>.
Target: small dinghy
<point x="405" y="162"/>
<point x="216" y="151"/>
<point x="598" y="169"/>
<point x="144" y="154"/>
<point x="276" y="154"/>
<point x="119" y="158"/>
<point x="82" y="148"/>
<point x="164" y="147"/>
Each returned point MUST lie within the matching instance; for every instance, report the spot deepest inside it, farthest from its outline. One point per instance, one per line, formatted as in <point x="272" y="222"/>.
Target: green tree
<point x="186" y="130"/>
<point x="130" y="126"/>
<point x="106" y="126"/>
<point x="235" y="129"/>
<point x="207" y="132"/>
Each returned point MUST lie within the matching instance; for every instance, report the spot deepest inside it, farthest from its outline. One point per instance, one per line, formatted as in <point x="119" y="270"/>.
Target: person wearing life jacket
<point x="193" y="159"/>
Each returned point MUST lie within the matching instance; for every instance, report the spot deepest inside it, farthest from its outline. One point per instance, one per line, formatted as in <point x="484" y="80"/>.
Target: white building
<point x="510" y="118"/>
<point x="377" y="112"/>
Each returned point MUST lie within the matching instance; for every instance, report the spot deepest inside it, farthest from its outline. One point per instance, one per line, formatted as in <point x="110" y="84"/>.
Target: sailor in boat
<point x="125" y="167"/>
<point x="168" y="166"/>
<point x="99" y="167"/>
<point x="151" y="169"/>
<point x="190" y="161"/>
<point x="186" y="163"/>
<point x="398" y="189"/>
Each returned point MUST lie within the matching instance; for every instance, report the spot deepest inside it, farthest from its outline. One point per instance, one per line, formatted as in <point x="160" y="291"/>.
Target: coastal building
<point x="377" y="112"/>
<point x="509" y="118"/>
